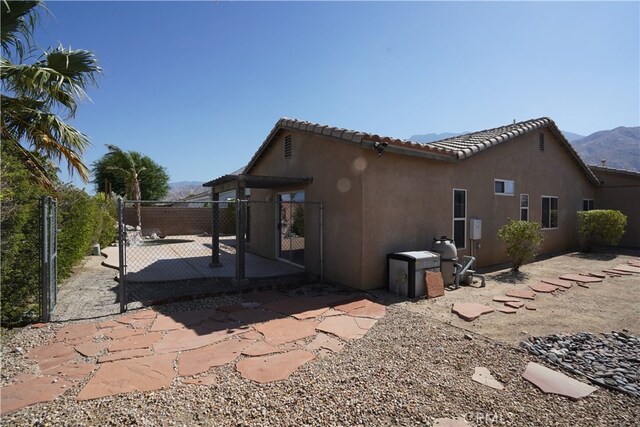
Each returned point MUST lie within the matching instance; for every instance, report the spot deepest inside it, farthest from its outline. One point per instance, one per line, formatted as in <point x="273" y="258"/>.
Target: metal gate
<point x="49" y="257"/>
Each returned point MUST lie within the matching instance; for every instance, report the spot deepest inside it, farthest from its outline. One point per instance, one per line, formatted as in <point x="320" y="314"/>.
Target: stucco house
<point x="382" y="195"/>
<point x="620" y="190"/>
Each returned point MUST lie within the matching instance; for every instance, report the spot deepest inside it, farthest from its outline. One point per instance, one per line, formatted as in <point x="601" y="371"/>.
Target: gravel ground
<point x="408" y="370"/>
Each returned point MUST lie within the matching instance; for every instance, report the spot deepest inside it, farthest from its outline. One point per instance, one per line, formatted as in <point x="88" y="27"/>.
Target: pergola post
<point x="215" y="230"/>
<point x="240" y="230"/>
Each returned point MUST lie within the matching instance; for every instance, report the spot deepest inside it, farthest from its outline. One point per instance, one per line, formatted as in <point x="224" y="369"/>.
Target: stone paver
<point x="551" y="381"/>
<point x="521" y="293"/>
<point x="124" y="332"/>
<point x="76" y="331"/>
<point x="507" y="310"/>
<point x="285" y="330"/>
<point x="143" y="374"/>
<point x="92" y="349"/>
<point x="189" y="339"/>
<point x="207" y="380"/>
<point x="30" y="391"/>
<point x="558" y="282"/>
<point x="483" y="376"/>
<point x="72" y="372"/>
<point x="579" y="278"/>
<point x="627" y="268"/>
<point x="505" y="299"/>
<point x="344" y="327"/>
<point x="254" y="315"/>
<point x="52" y="355"/>
<point x="180" y="320"/>
<point x="126" y="354"/>
<point x="518" y="304"/>
<point x="137" y="341"/>
<point x="273" y="368"/>
<point x="470" y="311"/>
<point x="325" y="341"/>
<point x="543" y="287"/>
<point x="201" y="360"/>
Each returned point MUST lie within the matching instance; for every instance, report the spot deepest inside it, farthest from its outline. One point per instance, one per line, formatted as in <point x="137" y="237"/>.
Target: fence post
<point x="240" y="228"/>
<point x="215" y="230"/>
<point x="45" y="314"/>
<point x="122" y="241"/>
<point x="321" y="244"/>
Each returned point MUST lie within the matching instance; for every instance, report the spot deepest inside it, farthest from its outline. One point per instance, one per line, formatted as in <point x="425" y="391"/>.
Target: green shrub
<point x="600" y="227"/>
<point x="105" y="223"/>
<point x="523" y="239"/>
<point x="298" y="220"/>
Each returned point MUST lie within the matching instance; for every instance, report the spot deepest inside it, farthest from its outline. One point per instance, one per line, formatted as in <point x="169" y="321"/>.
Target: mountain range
<point x="619" y="147"/>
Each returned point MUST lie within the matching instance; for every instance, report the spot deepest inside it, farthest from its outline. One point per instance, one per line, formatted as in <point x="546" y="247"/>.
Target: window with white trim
<point x="460" y="218"/>
<point x="549" y="212"/>
<point x="524" y="207"/>
<point x="504" y="187"/>
<point x="588" y="204"/>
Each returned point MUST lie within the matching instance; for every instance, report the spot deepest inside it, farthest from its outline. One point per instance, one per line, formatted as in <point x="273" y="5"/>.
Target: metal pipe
<point x="468" y="265"/>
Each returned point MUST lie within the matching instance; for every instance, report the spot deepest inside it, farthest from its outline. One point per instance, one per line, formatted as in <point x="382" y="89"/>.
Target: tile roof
<point x="596" y="169"/>
<point x="449" y="149"/>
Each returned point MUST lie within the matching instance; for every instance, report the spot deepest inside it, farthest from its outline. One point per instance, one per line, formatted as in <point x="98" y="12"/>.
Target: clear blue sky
<point x="197" y="86"/>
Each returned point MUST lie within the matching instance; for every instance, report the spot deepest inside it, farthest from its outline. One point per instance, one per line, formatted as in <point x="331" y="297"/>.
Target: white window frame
<point x="454" y="218"/>
<point x="593" y="204"/>
<point x="504" y="181"/>
<point x="526" y="208"/>
<point x="541" y="212"/>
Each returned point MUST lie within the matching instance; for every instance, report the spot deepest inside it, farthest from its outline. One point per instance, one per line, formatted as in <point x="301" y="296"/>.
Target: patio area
<point x="188" y="257"/>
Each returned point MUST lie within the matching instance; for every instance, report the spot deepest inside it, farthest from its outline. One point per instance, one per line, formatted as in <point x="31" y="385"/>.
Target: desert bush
<point x="600" y="227"/>
<point x="523" y="239"/>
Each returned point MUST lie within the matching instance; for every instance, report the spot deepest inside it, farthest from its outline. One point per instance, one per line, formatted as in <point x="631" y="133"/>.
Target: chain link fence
<point x="183" y="250"/>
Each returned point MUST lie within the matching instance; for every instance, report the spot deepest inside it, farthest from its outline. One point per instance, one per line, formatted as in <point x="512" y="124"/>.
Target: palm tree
<point x="131" y="176"/>
<point x="38" y="97"/>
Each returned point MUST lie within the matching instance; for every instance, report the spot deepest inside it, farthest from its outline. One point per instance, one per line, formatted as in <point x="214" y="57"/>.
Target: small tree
<point x="600" y="227"/>
<point x="298" y="220"/>
<point x="523" y="239"/>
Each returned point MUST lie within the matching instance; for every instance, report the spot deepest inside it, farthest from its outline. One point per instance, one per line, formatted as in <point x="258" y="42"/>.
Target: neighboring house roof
<point x="450" y="149"/>
<point x="597" y="169"/>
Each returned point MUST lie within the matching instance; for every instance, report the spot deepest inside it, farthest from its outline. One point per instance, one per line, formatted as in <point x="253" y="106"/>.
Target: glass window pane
<point x="509" y="187"/>
<point x="524" y="214"/>
<point x="459" y="233"/>
<point x="524" y="200"/>
<point x="499" y="187"/>
<point x="545" y="212"/>
<point x="459" y="197"/>
<point x="554" y="212"/>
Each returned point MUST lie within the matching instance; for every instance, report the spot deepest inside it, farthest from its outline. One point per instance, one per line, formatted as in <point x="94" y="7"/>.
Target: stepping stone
<point x="52" y="355"/>
<point x="125" y="332"/>
<point x="558" y="282"/>
<point x="516" y="305"/>
<point x="208" y="380"/>
<point x="583" y="285"/>
<point x="261" y="348"/>
<point x="138" y="341"/>
<point x="598" y="275"/>
<point x="179" y="320"/>
<point x="108" y="324"/>
<point x="348" y="307"/>
<point x="365" y="322"/>
<point x="255" y="315"/>
<point x="345" y="327"/>
<point x="372" y="310"/>
<point x="507" y="310"/>
<point x="470" y="311"/>
<point x="332" y="312"/>
<point x="521" y="293"/>
<point x="77" y="331"/>
<point x="550" y="381"/>
<point x="325" y="341"/>
<point x="530" y="307"/>
<point x="579" y="278"/>
<point x="31" y="390"/>
<point x="483" y="376"/>
<point x="126" y="376"/>
<point x="627" y="268"/>
<point x="505" y="299"/>
<point x="252" y="335"/>
<point x="273" y="368"/>
<point x="634" y="263"/>
<point x="72" y="372"/>
<point x="92" y="349"/>
<point x="202" y="335"/>
<point x="304" y="307"/>
<point x="126" y="354"/>
<point x="201" y="360"/>
<point x="285" y="330"/>
<point x="543" y="287"/>
<point x="618" y="272"/>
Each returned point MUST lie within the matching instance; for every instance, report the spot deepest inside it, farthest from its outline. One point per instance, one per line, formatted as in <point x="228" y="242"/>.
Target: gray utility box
<point x="406" y="271"/>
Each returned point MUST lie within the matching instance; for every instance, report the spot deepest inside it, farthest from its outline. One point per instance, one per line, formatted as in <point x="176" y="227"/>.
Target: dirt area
<point x="603" y="307"/>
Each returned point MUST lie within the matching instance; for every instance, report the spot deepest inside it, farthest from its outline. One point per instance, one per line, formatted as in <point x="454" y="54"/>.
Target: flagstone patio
<point x="266" y="338"/>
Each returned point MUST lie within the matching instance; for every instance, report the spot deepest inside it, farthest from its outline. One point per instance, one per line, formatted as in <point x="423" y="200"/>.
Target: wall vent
<point x="287" y="146"/>
<point x="541" y="141"/>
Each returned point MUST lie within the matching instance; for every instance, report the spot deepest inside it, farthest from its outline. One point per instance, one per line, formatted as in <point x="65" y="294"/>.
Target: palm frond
<point x="19" y="19"/>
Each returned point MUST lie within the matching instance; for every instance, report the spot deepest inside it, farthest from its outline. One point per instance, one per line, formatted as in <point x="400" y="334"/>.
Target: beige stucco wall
<point x="621" y="192"/>
<point x="327" y="161"/>
<point x="409" y="200"/>
<point x="374" y="205"/>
